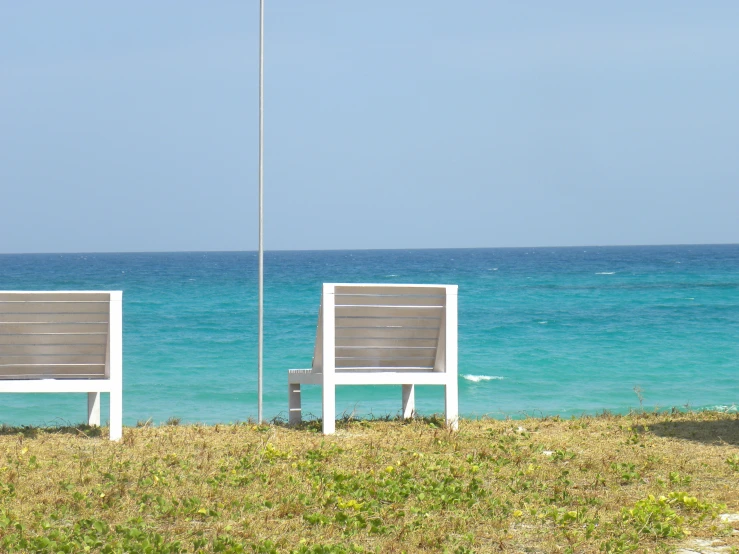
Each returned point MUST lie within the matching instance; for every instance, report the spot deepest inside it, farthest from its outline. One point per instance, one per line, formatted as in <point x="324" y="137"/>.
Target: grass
<point x="642" y="482"/>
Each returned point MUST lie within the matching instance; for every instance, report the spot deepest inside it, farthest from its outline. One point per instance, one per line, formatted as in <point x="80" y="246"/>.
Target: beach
<point x="193" y="193"/>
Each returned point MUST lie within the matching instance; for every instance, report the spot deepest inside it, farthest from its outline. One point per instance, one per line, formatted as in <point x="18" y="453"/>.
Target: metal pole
<point x="261" y="210"/>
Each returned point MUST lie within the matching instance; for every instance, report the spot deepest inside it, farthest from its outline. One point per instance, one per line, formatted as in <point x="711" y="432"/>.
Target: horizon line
<point x="363" y="249"/>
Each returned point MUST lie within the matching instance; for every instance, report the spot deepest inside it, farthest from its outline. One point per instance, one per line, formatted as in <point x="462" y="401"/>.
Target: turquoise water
<point x="541" y="330"/>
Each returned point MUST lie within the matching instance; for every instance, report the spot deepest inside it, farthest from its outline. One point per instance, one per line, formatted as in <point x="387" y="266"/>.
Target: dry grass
<point x="610" y="483"/>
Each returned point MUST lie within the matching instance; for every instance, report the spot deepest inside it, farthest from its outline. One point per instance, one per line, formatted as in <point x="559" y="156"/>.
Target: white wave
<point x="724" y="409"/>
<point x="392" y="275"/>
<point x="478" y="378"/>
<point x="543" y="322"/>
<point x="606" y="273"/>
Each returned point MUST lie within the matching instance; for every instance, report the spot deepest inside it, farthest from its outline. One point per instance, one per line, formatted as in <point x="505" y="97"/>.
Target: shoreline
<point x="311" y="419"/>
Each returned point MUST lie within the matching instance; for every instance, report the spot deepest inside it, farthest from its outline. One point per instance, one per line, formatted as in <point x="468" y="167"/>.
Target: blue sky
<point x="416" y="124"/>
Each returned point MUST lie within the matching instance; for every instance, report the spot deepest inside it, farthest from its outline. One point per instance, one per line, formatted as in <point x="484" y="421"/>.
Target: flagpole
<point x="261" y="211"/>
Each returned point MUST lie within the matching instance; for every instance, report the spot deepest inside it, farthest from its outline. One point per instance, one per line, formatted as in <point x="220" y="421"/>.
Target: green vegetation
<point x="594" y="484"/>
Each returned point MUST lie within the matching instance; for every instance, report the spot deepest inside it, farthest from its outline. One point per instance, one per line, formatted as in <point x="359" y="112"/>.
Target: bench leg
<point x="329" y="408"/>
<point x="116" y="413"/>
<point x="295" y="414"/>
<point x="409" y="401"/>
<point x="93" y="409"/>
<point x="451" y="402"/>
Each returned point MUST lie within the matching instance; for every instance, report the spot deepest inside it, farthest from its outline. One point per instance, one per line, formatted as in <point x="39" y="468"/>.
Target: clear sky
<point x="132" y="126"/>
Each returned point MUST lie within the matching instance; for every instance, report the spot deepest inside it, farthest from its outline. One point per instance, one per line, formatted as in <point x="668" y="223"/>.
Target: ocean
<point x="542" y="331"/>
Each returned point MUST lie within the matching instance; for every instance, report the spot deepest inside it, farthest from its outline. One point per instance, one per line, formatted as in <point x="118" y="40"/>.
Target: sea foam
<point x="478" y="378"/>
<point x="720" y="408"/>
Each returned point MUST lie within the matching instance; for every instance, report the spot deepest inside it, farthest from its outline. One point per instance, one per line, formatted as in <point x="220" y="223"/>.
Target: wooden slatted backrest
<point x="386" y="327"/>
<point x="54" y="335"/>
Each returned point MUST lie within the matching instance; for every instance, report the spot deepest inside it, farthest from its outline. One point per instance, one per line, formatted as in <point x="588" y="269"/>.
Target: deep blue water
<point x="541" y="330"/>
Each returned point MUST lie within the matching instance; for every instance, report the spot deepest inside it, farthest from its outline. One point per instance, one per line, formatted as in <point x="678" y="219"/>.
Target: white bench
<point x="382" y="335"/>
<point x="64" y="342"/>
